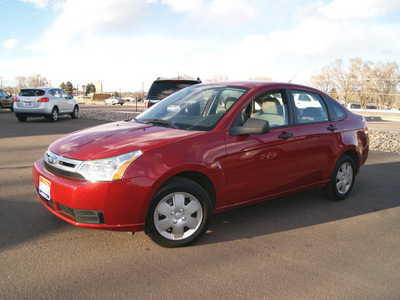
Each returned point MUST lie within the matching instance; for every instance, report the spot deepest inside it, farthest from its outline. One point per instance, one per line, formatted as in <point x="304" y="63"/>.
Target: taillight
<point x="365" y="125"/>
<point x="16" y="99"/>
<point x="44" y="99"/>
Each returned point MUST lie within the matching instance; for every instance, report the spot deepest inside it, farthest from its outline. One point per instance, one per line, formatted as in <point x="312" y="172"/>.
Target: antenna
<point x="292" y="78"/>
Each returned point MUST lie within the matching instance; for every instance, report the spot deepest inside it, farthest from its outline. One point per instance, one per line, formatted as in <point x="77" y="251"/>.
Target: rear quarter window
<point x="31" y="93"/>
<point x="337" y="111"/>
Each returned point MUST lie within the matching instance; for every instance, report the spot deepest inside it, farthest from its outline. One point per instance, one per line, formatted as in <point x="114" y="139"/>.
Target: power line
<point x="23" y="18"/>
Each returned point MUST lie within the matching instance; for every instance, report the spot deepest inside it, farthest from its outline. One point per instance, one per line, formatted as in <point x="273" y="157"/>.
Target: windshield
<point x="193" y="108"/>
<point x="161" y="89"/>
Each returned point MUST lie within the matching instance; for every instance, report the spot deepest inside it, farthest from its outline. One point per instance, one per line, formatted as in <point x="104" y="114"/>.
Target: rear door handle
<point x="285" y="136"/>
<point x="332" y="127"/>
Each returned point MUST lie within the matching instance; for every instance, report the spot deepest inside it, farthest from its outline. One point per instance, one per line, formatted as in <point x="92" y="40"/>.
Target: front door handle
<point x="332" y="127"/>
<point x="285" y="135"/>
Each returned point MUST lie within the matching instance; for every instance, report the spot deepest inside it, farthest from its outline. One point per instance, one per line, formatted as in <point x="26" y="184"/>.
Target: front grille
<point x="67" y="210"/>
<point x="77" y="215"/>
<point x="62" y="165"/>
<point x="62" y="172"/>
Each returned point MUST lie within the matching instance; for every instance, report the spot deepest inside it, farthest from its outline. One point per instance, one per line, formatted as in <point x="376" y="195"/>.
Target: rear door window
<point x="310" y="108"/>
<point x="63" y="94"/>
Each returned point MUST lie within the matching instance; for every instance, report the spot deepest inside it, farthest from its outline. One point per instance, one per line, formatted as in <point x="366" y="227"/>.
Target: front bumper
<point x="119" y="205"/>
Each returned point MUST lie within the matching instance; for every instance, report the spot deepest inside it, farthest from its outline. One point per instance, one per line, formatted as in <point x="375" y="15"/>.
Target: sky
<point x="127" y="44"/>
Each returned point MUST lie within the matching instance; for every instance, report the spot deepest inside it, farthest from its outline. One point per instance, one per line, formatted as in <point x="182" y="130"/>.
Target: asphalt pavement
<point x="298" y="247"/>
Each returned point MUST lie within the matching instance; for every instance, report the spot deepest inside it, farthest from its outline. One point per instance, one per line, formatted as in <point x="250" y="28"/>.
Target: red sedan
<point x="201" y="151"/>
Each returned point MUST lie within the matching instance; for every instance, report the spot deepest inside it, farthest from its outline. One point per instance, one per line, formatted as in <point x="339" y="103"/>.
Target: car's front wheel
<point x="179" y="213"/>
<point x="342" y="179"/>
<point x="54" y="114"/>
<point x="75" y="112"/>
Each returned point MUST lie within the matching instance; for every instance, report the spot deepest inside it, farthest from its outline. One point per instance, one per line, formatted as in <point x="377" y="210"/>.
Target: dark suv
<point x="162" y="88"/>
<point x="6" y="100"/>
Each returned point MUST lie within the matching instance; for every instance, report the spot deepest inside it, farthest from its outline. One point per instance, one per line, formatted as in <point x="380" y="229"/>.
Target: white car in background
<point x="114" y="100"/>
<point x="44" y="102"/>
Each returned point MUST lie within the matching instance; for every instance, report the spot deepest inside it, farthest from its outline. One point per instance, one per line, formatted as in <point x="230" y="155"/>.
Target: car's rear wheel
<point x="75" y="112"/>
<point x="342" y="180"/>
<point x="179" y="213"/>
<point x="54" y="114"/>
<point x="21" y="118"/>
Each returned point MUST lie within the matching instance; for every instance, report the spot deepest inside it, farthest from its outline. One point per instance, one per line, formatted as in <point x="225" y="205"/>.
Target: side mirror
<point x="70" y="97"/>
<point x="251" y="126"/>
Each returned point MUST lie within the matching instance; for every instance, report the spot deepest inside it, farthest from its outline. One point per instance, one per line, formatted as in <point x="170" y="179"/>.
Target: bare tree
<point x="366" y="82"/>
<point x="31" y="81"/>
<point x="386" y="80"/>
<point x="345" y="81"/>
<point x="261" y="78"/>
<point x="217" y="77"/>
<point x="324" y="81"/>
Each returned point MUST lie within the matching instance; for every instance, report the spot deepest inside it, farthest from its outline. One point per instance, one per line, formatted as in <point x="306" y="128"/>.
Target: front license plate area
<point x="44" y="188"/>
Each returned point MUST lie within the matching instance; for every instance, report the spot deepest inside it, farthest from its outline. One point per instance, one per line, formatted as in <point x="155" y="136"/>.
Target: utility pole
<point x="142" y="95"/>
<point x="1" y="85"/>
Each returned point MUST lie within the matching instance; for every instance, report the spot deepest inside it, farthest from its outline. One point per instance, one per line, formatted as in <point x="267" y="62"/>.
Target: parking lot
<point x="298" y="247"/>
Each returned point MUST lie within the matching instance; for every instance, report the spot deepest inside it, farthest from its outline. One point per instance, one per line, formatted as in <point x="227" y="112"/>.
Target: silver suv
<point x="44" y="102"/>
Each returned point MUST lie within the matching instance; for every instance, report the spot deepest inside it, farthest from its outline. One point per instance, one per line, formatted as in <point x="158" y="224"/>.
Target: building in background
<point x="99" y="87"/>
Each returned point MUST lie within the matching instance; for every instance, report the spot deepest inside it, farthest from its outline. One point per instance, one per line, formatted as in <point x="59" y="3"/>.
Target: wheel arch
<point x="201" y="179"/>
<point x="354" y="156"/>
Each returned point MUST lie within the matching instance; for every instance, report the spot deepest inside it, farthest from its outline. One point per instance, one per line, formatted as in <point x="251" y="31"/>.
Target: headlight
<point x="108" y="169"/>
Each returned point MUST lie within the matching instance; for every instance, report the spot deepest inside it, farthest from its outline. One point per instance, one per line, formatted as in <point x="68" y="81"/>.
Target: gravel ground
<point x="386" y="141"/>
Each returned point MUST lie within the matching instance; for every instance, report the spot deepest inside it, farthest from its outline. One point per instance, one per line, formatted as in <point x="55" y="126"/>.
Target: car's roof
<point x="251" y="84"/>
<point x="39" y="88"/>
<point x="256" y="84"/>
<point x="177" y="79"/>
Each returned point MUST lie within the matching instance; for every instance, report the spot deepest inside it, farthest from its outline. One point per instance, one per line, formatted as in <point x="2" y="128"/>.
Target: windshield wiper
<point x="160" y="122"/>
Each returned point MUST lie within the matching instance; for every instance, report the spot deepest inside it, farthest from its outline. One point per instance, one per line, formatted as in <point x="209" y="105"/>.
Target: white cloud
<point x="90" y="42"/>
<point x="232" y="13"/>
<point x="37" y="3"/>
<point x="79" y="20"/>
<point x="194" y="6"/>
<point x="313" y="43"/>
<point x="10" y="43"/>
<point x="360" y="9"/>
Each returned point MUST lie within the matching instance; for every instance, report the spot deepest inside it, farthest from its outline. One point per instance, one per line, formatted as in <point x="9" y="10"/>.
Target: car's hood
<point x="116" y="138"/>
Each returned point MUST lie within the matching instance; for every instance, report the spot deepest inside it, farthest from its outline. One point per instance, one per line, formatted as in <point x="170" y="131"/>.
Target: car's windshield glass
<point x="31" y="92"/>
<point x="161" y="89"/>
<point x="193" y="108"/>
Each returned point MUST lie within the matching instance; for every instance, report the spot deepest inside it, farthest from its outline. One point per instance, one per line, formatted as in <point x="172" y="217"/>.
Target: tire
<point x="342" y="179"/>
<point x="21" y="118"/>
<point x="54" y="115"/>
<point x="179" y="214"/>
<point x="75" y="113"/>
